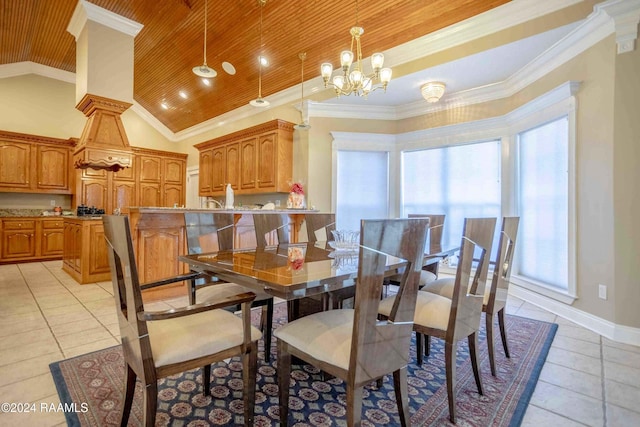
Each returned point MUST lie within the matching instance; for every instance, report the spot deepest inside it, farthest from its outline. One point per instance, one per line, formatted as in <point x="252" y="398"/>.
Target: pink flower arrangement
<point x="297" y="188"/>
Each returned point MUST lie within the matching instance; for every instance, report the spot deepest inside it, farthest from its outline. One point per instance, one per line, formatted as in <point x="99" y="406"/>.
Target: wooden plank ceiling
<point x="171" y="43"/>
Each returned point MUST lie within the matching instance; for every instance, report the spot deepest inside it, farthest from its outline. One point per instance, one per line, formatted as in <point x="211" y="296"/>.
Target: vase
<point x="296" y="201"/>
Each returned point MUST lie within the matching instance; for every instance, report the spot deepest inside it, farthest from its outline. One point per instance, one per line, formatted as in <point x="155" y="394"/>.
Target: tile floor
<point x="45" y="316"/>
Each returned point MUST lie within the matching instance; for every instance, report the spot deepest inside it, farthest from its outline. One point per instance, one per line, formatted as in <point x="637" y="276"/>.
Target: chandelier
<point x="355" y="80"/>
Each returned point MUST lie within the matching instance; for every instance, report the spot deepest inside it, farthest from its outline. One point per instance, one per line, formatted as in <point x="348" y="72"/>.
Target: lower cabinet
<point x="85" y="255"/>
<point x="30" y="239"/>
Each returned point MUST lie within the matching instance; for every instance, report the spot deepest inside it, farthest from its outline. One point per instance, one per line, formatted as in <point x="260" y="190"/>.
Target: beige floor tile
<point x="24" y="326"/>
<point x="622" y="374"/>
<point x="88" y="348"/>
<point x="52" y="301"/>
<point x="74" y="327"/>
<point x="622" y="395"/>
<point x="623" y="357"/>
<point x="67" y="309"/>
<point x="544" y="316"/>
<point x="114" y="329"/>
<point x="89" y="336"/>
<point x="17" y="318"/>
<point x="40" y="418"/>
<point x="578" y="332"/>
<point x="617" y="416"/>
<point x="580" y="382"/>
<point x="108" y="319"/>
<point x="20" y="306"/>
<point x="568" y="403"/>
<point x="16" y="354"/>
<point x="93" y="295"/>
<point x="622" y="346"/>
<point x="579" y="346"/>
<point x="576" y="361"/>
<point x="29" y="390"/>
<point x="62" y="319"/>
<point x="28" y="368"/>
<point x="538" y="417"/>
<point x="29" y="337"/>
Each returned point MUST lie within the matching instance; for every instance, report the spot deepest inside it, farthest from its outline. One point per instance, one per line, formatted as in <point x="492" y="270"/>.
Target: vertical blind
<point x="460" y="182"/>
<point x="362" y="187"/>
<point x="543" y="203"/>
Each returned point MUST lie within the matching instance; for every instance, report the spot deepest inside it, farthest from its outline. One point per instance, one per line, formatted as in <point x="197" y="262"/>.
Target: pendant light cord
<point x="205" y="32"/>
<point x="262" y="2"/>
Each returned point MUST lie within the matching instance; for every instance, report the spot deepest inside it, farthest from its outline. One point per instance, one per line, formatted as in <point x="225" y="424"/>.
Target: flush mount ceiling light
<point x="304" y="125"/>
<point x="204" y="70"/>
<point x="432" y="91"/>
<point x="259" y="101"/>
<point x="355" y="81"/>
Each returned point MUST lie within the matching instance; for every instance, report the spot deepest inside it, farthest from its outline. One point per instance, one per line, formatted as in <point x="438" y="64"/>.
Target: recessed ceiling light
<point x="206" y="82"/>
<point x="263" y="60"/>
<point x="183" y="94"/>
<point x="228" y="68"/>
<point x="164" y="105"/>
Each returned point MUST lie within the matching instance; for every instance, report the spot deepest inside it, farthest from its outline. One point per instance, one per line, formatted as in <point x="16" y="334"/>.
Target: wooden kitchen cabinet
<point x="30" y="239"/>
<point x="85" y="256"/>
<point x="255" y="160"/>
<point x="35" y="164"/>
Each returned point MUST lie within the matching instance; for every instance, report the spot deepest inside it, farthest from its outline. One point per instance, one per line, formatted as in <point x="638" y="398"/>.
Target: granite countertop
<point x="28" y="213"/>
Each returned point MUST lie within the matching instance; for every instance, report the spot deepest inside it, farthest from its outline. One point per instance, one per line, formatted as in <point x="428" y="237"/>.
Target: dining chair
<point x="459" y="317"/>
<point x="436" y="225"/>
<point x="495" y="296"/>
<point x="210" y="232"/>
<point x="320" y="225"/>
<point x="352" y="344"/>
<point x="162" y="343"/>
<point x="269" y="224"/>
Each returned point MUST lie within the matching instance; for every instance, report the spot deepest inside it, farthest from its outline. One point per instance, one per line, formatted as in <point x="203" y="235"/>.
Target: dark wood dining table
<point x="291" y="271"/>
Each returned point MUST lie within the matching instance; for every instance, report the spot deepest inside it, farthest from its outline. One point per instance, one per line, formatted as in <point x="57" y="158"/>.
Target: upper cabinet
<point x="35" y="164"/>
<point x="255" y="160"/>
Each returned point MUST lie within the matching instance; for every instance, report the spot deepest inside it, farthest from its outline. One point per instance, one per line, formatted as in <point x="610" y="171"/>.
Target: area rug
<point x="93" y="385"/>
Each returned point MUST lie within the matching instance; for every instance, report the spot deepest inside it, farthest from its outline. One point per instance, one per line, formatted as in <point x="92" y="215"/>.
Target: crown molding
<point x="626" y="16"/>
<point x="86" y="11"/>
<point x="27" y="67"/>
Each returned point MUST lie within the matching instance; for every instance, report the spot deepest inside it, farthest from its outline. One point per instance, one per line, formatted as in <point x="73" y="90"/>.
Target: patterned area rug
<point x="96" y="379"/>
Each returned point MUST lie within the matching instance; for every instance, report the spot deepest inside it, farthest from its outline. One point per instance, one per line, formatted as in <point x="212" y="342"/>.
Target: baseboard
<point x="613" y="331"/>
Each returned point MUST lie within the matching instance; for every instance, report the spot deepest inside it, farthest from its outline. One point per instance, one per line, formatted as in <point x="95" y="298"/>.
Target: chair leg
<point x="379" y="383"/>
<point x="206" y="380"/>
<point x="249" y="371"/>
<point x="450" y="363"/>
<point x="489" y="329"/>
<point x="150" y="404"/>
<point x="267" y="330"/>
<point x="503" y="332"/>
<point x="419" y="348"/>
<point x="473" y="353"/>
<point x="192" y="291"/>
<point x="284" y="375"/>
<point x="129" y="388"/>
<point x="427" y="345"/>
<point x="354" y="405"/>
<point x="402" y="395"/>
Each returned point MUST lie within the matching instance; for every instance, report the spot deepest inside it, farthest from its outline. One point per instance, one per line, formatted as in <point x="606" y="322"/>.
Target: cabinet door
<point x="158" y="252"/>
<point x="149" y="168"/>
<point x="98" y="256"/>
<point x="218" y="169"/>
<point x="18" y="244"/>
<point x="126" y="174"/>
<point x="15" y="165"/>
<point x="172" y="195"/>
<point x="173" y="171"/>
<point x="53" y="168"/>
<point x="94" y="192"/>
<point x="205" y="173"/>
<point x="248" y="164"/>
<point x="233" y="165"/>
<point x="124" y="194"/>
<point x="52" y="242"/>
<point x="72" y="245"/>
<point x="149" y="195"/>
<point x="267" y="161"/>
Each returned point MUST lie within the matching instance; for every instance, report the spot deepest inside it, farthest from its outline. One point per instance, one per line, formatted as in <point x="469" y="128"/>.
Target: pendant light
<point x="304" y="125"/>
<point x="259" y="101"/>
<point x="204" y="70"/>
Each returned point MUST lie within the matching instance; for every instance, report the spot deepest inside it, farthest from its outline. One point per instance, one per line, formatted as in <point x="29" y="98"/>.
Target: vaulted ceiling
<point x="171" y="43"/>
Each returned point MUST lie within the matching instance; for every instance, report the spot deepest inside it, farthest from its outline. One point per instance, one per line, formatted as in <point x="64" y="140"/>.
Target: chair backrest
<point x="381" y="347"/>
<point x="208" y="231"/>
<point x="436" y="225"/>
<point x="466" y="301"/>
<point x="126" y="290"/>
<point x="502" y="267"/>
<point x="317" y="222"/>
<point x="267" y="223"/>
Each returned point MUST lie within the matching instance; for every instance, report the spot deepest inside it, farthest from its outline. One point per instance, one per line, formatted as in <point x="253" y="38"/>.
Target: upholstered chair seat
<point x="444" y="287"/>
<point x="431" y="310"/>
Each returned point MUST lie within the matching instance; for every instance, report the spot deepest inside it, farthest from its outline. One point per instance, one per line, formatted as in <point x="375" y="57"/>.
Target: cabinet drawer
<point x="52" y="223"/>
<point x="18" y="224"/>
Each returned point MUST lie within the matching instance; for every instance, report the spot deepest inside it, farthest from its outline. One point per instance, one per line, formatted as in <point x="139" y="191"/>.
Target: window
<point x="362" y="187"/>
<point x="543" y="194"/>
<point x="461" y="181"/>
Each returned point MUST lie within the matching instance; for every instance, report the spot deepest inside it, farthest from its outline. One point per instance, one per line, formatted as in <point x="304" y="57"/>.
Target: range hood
<point x="103" y="143"/>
